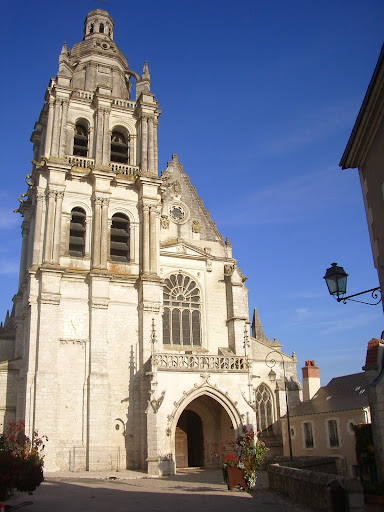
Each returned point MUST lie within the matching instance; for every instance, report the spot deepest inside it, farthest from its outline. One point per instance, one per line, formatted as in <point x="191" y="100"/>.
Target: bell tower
<point x="90" y="250"/>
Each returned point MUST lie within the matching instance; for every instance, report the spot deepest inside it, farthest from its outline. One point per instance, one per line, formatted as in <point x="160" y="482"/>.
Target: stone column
<point x="96" y="232"/>
<point x="145" y="264"/>
<point x="104" y="232"/>
<point x="63" y="130"/>
<point x="57" y="231"/>
<point x="24" y="249"/>
<point x="150" y="147"/>
<point x="50" y="219"/>
<point x="56" y="129"/>
<point x="106" y="138"/>
<point x="144" y="144"/>
<point x="48" y="138"/>
<point x="99" y="137"/>
<point x="153" y="216"/>
<point x="132" y="150"/>
<point x="36" y="257"/>
<point x="156" y="164"/>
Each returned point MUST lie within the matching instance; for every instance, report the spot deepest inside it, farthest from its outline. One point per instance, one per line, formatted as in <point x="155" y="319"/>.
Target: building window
<point x="308" y="435"/>
<point x="182" y="311"/>
<point x="119" y="248"/>
<point x="119" y="148"/>
<point x="101" y="28"/>
<point x="264" y="409"/>
<point x="333" y="434"/>
<point x="77" y="233"/>
<point x="80" y="141"/>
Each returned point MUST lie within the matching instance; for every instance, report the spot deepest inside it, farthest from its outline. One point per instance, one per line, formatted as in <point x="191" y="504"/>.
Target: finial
<point x="175" y="157"/>
<point x="145" y="74"/>
<point x="227" y="242"/>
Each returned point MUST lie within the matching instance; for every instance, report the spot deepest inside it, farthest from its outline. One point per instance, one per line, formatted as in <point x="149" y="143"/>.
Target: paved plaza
<point x="192" y="490"/>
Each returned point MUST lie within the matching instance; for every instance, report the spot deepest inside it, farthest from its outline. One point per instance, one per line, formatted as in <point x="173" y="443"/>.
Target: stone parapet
<point x="320" y="491"/>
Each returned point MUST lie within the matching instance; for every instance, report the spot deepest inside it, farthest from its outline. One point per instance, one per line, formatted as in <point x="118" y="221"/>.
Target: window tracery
<point x="264" y="408"/>
<point x="182" y="311"/>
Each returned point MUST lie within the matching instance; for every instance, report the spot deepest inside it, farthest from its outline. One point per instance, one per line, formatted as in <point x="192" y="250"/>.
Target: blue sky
<point x="258" y="100"/>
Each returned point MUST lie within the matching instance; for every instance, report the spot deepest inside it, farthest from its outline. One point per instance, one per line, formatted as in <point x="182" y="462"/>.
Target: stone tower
<point x="128" y="342"/>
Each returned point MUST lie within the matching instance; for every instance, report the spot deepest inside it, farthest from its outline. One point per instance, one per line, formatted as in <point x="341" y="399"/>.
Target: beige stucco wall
<point x="321" y="447"/>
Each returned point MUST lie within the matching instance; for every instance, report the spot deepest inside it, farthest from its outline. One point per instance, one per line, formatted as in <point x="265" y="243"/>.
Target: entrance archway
<point x="189" y="440"/>
<point x="203" y="426"/>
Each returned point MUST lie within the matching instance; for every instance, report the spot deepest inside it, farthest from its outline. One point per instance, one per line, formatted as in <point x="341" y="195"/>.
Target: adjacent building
<point x="322" y="425"/>
<point x="365" y="150"/>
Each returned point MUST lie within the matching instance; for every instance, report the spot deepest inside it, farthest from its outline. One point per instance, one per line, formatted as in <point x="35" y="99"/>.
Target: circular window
<point x="178" y="213"/>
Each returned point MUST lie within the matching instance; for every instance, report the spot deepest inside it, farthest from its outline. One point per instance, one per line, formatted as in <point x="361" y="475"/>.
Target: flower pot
<point x="236" y="477"/>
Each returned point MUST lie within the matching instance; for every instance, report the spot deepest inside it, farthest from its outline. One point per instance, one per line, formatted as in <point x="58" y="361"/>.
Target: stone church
<point x="129" y="342"/>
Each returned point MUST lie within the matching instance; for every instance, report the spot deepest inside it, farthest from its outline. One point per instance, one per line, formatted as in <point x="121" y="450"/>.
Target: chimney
<point x="311" y="380"/>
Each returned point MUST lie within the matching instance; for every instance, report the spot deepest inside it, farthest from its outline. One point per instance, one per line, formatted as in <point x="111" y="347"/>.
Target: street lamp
<point x="272" y="377"/>
<point x="336" y="279"/>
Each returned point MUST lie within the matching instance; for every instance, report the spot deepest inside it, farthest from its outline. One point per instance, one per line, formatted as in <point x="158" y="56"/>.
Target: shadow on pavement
<point x="141" y="496"/>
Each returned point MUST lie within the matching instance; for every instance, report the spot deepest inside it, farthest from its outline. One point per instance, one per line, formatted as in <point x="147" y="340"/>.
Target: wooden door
<point x="181" y="448"/>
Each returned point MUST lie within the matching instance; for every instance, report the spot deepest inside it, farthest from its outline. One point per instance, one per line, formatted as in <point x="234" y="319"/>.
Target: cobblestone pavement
<point x="190" y="490"/>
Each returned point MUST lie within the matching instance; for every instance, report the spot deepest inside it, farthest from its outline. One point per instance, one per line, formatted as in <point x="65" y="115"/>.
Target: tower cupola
<point x="98" y="22"/>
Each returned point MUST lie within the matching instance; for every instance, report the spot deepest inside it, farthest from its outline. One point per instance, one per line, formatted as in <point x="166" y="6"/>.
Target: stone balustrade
<point x="193" y="363"/>
<point x="86" y="95"/>
<point x="81" y="161"/>
<point x="128" y="170"/>
<point x="124" y="103"/>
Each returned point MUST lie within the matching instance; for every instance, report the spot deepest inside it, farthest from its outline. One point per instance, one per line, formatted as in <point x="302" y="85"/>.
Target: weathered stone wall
<point x="312" y="488"/>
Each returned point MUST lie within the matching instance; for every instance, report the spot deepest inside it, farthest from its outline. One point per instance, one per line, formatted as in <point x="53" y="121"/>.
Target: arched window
<point x="80" y="141"/>
<point x="119" y="148"/>
<point x="119" y="249"/>
<point x="77" y="233"/>
<point x="101" y="28"/>
<point x="264" y="409"/>
<point x="91" y="28"/>
<point x="182" y="311"/>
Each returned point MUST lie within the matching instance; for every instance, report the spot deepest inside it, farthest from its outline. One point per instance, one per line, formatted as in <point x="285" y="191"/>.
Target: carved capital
<point x="105" y="201"/>
<point x="40" y="196"/>
<point x="51" y="194"/>
<point x="60" y="194"/>
<point x="97" y="200"/>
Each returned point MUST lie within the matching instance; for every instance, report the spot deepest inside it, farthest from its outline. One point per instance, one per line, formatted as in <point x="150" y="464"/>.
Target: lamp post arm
<point x="349" y="297"/>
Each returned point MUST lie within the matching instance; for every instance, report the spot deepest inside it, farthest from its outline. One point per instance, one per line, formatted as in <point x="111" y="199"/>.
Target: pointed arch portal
<point x="202" y="427"/>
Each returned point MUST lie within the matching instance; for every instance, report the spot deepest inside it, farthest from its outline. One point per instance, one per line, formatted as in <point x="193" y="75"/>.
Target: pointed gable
<point x="184" y="208"/>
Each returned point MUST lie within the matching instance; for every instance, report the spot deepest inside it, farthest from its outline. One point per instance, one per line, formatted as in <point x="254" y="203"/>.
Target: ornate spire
<point x="145" y="74"/>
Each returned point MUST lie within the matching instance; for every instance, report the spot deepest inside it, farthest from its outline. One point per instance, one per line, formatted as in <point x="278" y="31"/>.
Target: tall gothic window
<point x="264" y="408"/>
<point x="80" y="141"/>
<point x="119" y="148"/>
<point x="119" y="249"/>
<point x="77" y="233"/>
<point x="182" y="311"/>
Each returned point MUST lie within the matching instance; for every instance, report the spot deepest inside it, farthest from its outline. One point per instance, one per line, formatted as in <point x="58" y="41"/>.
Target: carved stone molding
<point x="156" y="403"/>
<point x="50" y="298"/>
<point x="204" y="383"/>
<point x="99" y="304"/>
<point x="196" y="226"/>
<point x="164" y="221"/>
<point x="64" y="341"/>
<point x="229" y="270"/>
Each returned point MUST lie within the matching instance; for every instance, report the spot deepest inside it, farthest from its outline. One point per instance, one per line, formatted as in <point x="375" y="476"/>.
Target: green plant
<point x="250" y="454"/>
<point x="21" y="460"/>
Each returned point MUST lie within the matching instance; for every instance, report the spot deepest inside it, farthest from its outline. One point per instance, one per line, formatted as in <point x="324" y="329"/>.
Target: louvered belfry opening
<point x="77" y="233"/>
<point x="119" y="238"/>
<point x="119" y="148"/>
<point x="80" y="141"/>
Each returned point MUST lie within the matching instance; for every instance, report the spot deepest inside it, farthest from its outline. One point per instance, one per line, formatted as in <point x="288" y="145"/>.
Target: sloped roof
<point x="340" y="394"/>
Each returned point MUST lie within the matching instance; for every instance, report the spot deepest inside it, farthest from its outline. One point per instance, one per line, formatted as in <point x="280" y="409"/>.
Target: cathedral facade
<point x="129" y="343"/>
